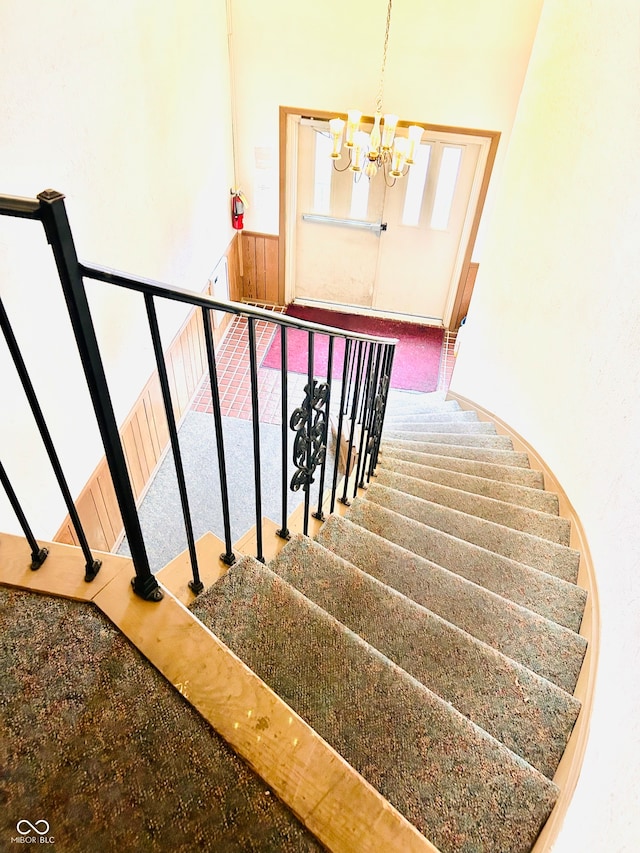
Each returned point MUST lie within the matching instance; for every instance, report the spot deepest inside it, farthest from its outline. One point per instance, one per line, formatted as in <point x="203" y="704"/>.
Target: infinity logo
<point x="32" y="827"/>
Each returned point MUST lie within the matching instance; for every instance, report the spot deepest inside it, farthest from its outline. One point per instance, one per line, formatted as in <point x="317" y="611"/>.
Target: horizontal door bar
<point x="375" y="227"/>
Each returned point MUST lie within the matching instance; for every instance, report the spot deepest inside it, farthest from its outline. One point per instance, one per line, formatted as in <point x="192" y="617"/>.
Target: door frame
<point x="287" y="190"/>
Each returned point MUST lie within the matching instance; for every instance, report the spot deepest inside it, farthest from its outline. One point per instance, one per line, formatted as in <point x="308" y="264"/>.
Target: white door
<point x="421" y="251"/>
<point x="336" y="253"/>
<point x="394" y="250"/>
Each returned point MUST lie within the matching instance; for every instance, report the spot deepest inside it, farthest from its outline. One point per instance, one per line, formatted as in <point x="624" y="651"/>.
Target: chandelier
<point x="381" y="149"/>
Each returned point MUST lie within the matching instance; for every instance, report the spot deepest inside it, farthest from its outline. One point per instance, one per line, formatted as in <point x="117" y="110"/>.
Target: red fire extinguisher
<point x="238" y="204"/>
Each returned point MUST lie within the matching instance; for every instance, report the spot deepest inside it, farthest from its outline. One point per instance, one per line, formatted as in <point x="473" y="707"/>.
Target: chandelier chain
<point x="384" y="60"/>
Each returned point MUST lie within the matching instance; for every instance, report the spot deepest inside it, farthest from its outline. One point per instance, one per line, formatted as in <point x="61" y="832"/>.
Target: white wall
<point x="124" y="107"/>
<point x="459" y="64"/>
<point x="552" y="345"/>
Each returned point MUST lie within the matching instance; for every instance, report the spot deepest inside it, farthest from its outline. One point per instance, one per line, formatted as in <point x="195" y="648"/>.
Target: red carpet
<point x="417" y="358"/>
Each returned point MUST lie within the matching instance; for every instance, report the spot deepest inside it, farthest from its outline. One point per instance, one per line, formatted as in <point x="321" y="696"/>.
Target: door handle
<point x="375" y="227"/>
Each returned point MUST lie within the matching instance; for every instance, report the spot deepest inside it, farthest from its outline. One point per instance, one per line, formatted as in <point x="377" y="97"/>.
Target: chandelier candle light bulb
<point x="375" y="138"/>
<point x="360" y="147"/>
<point x="415" y="137"/>
<point x="353" y="125"/>
<point x="399" y="156"/>
<point x="388" y="131"/>
<point x="336" y="127"/>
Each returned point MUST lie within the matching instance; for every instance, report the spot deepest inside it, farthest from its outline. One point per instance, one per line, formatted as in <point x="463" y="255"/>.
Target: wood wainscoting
<point x="144" y="433"/>
<point x="259" y="271"/>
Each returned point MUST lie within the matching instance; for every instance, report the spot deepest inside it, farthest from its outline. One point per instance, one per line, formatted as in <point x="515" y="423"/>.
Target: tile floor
<point x="235" y="381"/>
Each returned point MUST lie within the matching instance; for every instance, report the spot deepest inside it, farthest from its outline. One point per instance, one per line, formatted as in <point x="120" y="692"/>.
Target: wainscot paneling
<point x="259" y="271"/>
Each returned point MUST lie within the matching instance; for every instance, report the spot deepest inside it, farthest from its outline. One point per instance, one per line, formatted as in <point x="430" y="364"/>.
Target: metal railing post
<point x="255" y="419"/>
<point x="58" y="231"/>
<point x="38" y="554"/>
<point x="284" y="532"/>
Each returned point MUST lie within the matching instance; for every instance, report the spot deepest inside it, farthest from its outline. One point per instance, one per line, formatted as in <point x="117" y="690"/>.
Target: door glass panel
<point x="360" y="197"/>
<point x="416" y="180"/>
<point x="446" y="187"/>
<point x="322" y="174"/>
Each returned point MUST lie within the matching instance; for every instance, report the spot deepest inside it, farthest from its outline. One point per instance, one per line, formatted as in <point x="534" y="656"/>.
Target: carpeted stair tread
<point x="524" y="496"/>
<point x="478" y="454"/>
<point x="450" y="427"/>
<point x="97" y="742"/>
<point x="545" y="594"/>
<point x="517" y="545"/>
<point x="492" y="442"/>
<point x="433" y="417"/>
<point x="524" y="519"/>
<point x="502" y="473"/>
<point x="461" y="788"/>
<point x="527" y="713"/>
<point x="420" y="405"/>
<point x="525" y="636"/>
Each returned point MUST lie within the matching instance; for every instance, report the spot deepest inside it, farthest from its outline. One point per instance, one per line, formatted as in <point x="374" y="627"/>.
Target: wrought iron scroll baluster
<point x="309" y="422"/>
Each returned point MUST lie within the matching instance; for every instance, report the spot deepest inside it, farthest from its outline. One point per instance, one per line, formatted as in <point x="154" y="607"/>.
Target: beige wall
<point x="125" y="107"/>
<point x="458" y="64"/>
<point x="552" y="345"/>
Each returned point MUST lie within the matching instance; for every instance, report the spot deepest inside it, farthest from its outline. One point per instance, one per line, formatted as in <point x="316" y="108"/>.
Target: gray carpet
<point x="161" y="512"/>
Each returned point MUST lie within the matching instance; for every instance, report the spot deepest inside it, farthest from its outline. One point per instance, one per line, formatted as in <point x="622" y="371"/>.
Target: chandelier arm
<point x="386" y="175"/>
<point x="346" y="167"/>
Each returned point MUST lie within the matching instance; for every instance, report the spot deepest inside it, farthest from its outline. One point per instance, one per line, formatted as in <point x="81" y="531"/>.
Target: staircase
<point x="429" y="634"/>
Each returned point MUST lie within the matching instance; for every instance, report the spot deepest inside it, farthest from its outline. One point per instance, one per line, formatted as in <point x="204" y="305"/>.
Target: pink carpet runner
<point x="417" y="358"/>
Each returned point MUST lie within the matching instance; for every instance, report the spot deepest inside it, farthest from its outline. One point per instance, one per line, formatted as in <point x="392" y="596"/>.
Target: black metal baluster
<point x="319" y="514"/>
<point x="343" y="394"/>
<point x="367" y="405"/>
<point x="38" y="554"/>
<point x="284" y="407"/>
<point x="354" y="410"/>
<point x="308" y="450"/>
<point x="196" y="584"/>
<point x="371" y="414"/>
<point x="366" y="361"/>
<point x="385" y="385"/>
<point x="92" y="566"/>
<point x="58" y="231"/>
<point x="351" y="384"/>
<point x="253" y="369"/>
<point x="228" y="557"/>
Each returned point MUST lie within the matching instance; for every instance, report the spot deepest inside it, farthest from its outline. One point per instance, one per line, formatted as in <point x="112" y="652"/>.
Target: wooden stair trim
<point x="330" y="798"/>
<point x="568" y="772"/>
<point x="175" y="576"/>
